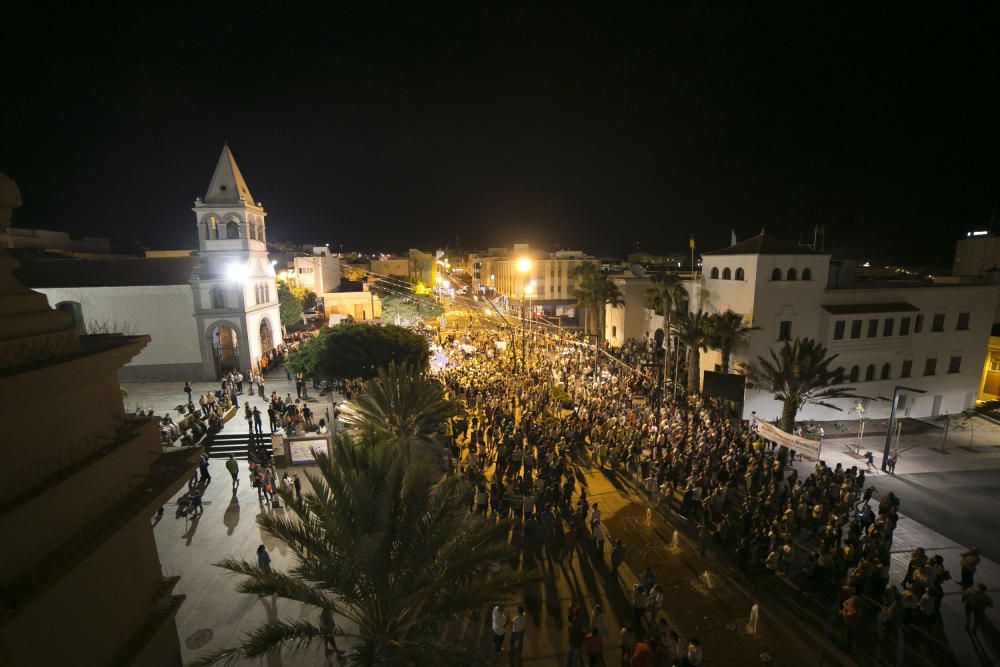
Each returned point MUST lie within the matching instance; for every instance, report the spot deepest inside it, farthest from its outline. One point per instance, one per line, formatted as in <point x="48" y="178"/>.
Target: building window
<point x="870" y="373"/>
<point x="856" y="329"/>
<point x="938" y="323"/>
<point x="727" y="274"/>
<point x="963" y="322"/>
<point x="75" y="311"/>
<point x="995" y="365"/>
<point x="918" y="324"/>
<point x="838" y="330"/>
<point x="807" y="274"/>
<point x="614" y="331"/>
<point x="218" y="299"/>
<point x="854" y="373"/>
<point x="907" y="368"/>
<point x="739" y="273"/>
<point x="886" y="371"/>
<point x="904" y="326"/>
<point x="872" y="328"/>
<point x="930" y="366"/>
<point x="232" y="230"/>
<point x="776" y="274"/>
<point x="887" y="326"/>
<point x="714" y="275"/>
<point x="792" y="275"/>
<point x="785" y="330"/>
<point x="955" y="365"/>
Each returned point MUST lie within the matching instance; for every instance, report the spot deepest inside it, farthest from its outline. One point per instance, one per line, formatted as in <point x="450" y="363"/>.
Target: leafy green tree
<point x="359" y="351"/>
<point x="725" y="331"/>
<point x="586" y="277"/>
<point x="402" y="404"/>
<point x="797" y="374"/>
<point x="289" y="305"/>
<point x="691" y="330"/>
<point x="409" y="310"/>
<point x="389" y="547"/>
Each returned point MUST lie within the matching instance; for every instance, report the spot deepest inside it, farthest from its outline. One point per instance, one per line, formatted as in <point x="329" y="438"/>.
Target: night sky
<point x="383" y="128"/>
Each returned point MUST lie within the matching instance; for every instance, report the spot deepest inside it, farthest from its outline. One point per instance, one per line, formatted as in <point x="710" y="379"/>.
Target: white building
<point x="318" y="272"/>
<point x="207" y="313"/>
<point x="926" y="336"/>
<point x="548" y="283"/>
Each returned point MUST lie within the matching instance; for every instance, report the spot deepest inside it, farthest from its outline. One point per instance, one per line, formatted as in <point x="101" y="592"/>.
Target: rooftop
<point x="763" y="244"/>
<point x="119" y="272"/>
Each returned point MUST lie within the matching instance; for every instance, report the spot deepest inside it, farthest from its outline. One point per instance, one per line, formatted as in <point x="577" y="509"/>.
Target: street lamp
<point x="892" y="419"/>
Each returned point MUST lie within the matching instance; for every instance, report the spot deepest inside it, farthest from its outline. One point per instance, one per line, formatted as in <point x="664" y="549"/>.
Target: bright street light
<point x="524" y="265"/>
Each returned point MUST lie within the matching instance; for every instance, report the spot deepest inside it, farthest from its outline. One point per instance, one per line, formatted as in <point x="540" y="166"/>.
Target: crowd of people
<point x="524" y="433"/>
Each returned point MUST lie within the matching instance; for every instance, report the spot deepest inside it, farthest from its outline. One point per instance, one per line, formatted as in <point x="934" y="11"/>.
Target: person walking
<point x="234" y="469"/>
<point x="977" y="601"/>
<point x="638" y="604"/>
<point x="517" y="626"/>
<point x="617" y="555"/>
<point x="263" y="559"/>
<point x="297" y="484"/>
<point x="187" y="390"/>
<point x="257" y="427"/>
<point x="500" y="620"/>
<point x="203" y="466"/>
<point x="328" y="627"/>
<point x="594" y="646"/>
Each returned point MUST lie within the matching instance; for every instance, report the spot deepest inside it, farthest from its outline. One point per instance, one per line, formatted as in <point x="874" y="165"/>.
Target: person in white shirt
<point x="517" y="625"/>
<point x="500" y="620"/>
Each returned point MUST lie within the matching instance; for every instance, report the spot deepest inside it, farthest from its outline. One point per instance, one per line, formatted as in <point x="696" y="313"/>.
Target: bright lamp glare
<point x="237" y="271"/>
<point x="524" y="265"/>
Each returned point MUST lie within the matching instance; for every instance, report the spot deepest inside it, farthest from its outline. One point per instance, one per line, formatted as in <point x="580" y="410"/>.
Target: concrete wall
<point x="162" y="311"/>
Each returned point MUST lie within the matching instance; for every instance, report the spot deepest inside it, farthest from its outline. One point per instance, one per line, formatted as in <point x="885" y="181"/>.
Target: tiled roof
<point x="762" y="244"/>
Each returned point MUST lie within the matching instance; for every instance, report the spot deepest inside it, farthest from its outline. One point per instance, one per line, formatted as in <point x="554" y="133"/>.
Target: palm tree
<point x="691" y="330"/>
<point x="667" y="296"/>
<point x="725" y="331"/>
<point x="385" y="545"/>
<point x="586" y="275"/>
<point x="798" y="374"/>
<point x="402" y="403"/>
<point x="606" y="293"/>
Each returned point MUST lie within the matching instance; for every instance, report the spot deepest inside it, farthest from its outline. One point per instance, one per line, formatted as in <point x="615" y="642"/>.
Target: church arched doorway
<point x="266" y="337"/>
<point x="225" y="348"/>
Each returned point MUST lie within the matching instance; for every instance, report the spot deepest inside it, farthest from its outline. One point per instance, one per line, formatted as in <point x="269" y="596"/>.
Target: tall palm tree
<point x="798" y="374"/>
<point x="667" y="296"/>
<point x="388" y="547"/>
<point x="402" y="403"/>
<point x="691" y="330"/>
<point x="606" y="293"/>
<point x="586" y="276"/>
<point x="725" y="331"/>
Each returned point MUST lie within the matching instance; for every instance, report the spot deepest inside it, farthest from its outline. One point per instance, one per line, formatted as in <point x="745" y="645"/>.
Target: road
<point x="958" y="504"/>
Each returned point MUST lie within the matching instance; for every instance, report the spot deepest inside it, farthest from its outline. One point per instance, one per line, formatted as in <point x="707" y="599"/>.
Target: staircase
<point x="237" y="444"/>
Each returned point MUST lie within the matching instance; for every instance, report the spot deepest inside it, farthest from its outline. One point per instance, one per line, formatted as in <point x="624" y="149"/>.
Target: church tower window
<point x="232" y="230"/>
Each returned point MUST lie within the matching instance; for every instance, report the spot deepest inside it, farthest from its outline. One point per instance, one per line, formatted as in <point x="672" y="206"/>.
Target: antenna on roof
<point x="818" y="239"/>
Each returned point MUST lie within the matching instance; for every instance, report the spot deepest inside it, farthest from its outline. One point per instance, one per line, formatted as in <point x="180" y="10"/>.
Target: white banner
<point x="809" y="449"/>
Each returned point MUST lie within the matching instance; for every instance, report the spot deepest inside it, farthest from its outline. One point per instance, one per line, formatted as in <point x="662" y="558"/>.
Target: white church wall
<point x="163" y="311"/>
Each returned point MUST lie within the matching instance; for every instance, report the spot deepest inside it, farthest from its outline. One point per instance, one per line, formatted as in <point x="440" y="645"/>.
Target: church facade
<point x="213" y="311"/>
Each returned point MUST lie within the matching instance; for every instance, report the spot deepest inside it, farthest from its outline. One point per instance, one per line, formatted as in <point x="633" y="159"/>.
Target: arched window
<point x="776" y="274"/>
<point x="807" y="274"/>
<point x="75" y="311"/>
<point x="232" y="229"/>
<point x="218" y="298"/>
<point x="870" y="373"/>
<point x="727" y="274"/>
<point x="714" y="275"/>
<point x="854" y="374"/>
<point x="791" y="275"/>
<point x="739" y="274"/>
<point x="886" y="370"/>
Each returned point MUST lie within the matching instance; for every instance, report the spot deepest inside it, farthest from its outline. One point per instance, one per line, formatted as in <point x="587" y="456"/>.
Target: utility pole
<point x="892" y="420"/>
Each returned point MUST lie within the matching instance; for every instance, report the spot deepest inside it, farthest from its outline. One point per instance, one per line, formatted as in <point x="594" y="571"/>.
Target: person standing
<point x="234" y="469"/>
<point x="638" y="604"/>
<point x="969" y="561"/>
<point x="517" y="626"/>
<point x="594" y="646"/>
<point x="257" y="427"/>
<point x="617" y="555"/>
<point x="203" y="466"/>
<point x="263" y="559"/>
<point x="297" y="483"/>
<point x="693" y="657"/>
<point x="187" y="390"/>
<point x="500" y="620"/>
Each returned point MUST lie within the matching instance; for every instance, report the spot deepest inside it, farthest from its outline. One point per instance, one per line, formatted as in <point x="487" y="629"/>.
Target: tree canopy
<point x="292" y="301"/>
<point x="359" y="351"/>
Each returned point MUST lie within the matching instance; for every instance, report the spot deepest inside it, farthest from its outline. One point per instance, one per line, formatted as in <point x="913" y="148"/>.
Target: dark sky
<point x="387" y="127"/>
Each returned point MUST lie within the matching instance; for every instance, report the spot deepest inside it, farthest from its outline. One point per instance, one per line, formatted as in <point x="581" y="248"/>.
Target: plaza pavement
<point x="214" y="615"/>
